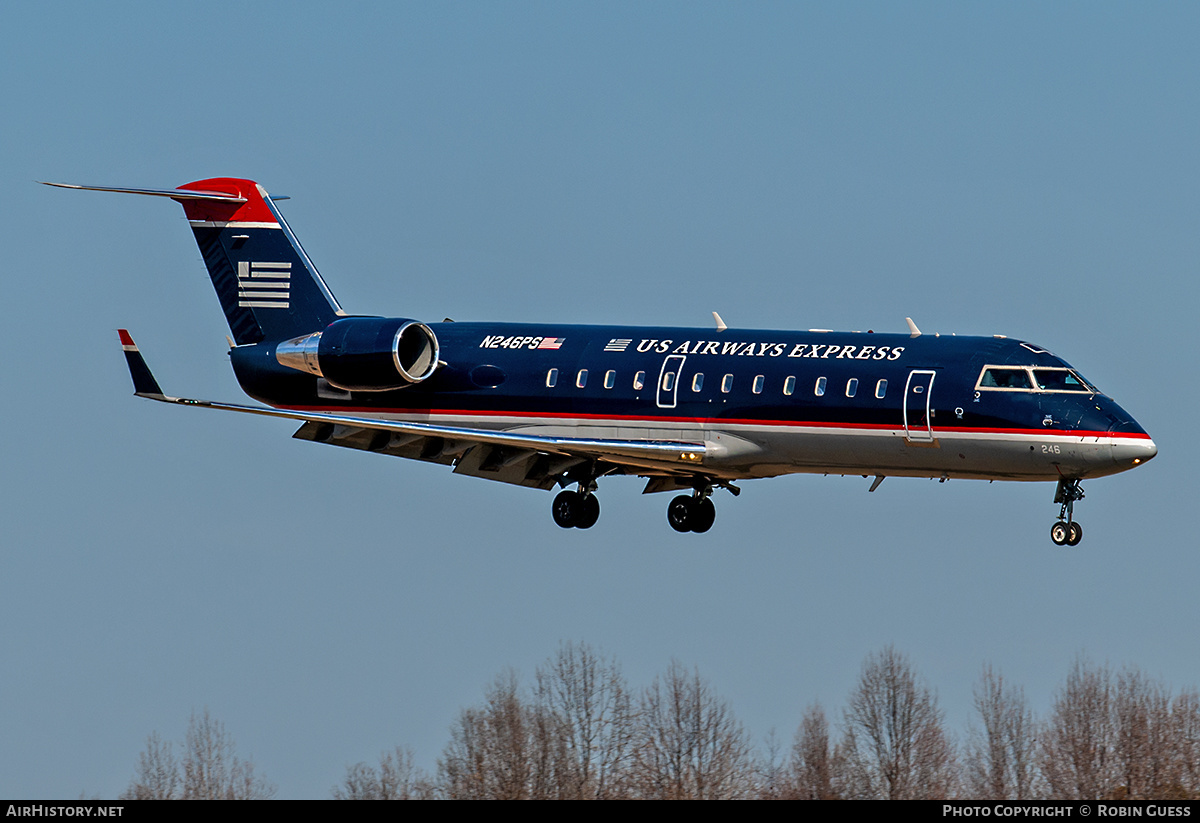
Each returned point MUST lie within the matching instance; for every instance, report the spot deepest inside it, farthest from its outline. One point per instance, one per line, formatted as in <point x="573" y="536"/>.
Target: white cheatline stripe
<point x="496" y="420"/>
<point x="217" y="224"/>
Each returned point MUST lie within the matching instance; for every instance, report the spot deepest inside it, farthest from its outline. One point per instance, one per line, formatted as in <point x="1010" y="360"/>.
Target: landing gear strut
<point x="1066" y="532"/>
<point x="578" y="509"/>
<point x="692" y="514"/>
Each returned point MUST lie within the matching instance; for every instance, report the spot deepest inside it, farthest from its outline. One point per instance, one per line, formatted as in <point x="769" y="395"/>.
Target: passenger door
<point x="918" y="400"/>
<point x="668" y="380"/>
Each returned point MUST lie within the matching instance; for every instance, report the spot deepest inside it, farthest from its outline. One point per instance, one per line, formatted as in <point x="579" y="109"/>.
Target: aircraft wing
<point x="511" y="457"/>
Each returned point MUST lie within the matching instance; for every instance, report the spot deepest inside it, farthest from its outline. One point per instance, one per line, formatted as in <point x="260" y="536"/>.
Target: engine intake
<point x="365" y="353"/>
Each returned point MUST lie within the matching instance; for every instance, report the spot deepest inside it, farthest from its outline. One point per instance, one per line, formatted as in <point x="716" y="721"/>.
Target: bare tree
<point x="157" y="775"/>
<point x="588" y="699"/>
<point x="690" y="745"/>
<point x="773" y="780"/>
<point x="395" y="779"/>
<point x="1001" y="761"/>
<point x="1078" y="745"/>
<point x="1121" y="737"/>
<point x="813" y="760"/>
<point x="505" y="750"/>
<point x="210" y="768"/>
<point x="1185" y="719"/>
<point x="894" y="744"/>
<point x="1146" y="761"/>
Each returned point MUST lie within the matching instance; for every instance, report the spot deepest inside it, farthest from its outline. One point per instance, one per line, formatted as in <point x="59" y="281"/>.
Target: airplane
<point x="691" y="410"/>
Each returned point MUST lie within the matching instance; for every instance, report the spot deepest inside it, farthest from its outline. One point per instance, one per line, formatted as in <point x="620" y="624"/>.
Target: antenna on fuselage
<point x="913" y="331"/>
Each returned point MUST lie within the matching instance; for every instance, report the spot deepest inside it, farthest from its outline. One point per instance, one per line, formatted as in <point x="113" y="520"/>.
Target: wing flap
<point x="504" y="456"/>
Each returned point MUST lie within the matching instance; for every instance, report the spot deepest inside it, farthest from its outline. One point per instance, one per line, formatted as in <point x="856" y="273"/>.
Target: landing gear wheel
<point x="1066" y="532"/>
<point x="679" y="513"/>
<point x="589" y="512"/>
<point x="703" y="515"/>
<point x="567" y="508"/>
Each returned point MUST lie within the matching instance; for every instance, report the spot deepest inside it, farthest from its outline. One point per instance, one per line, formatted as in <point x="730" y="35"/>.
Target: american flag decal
<point x="551" y="343"/>
<point x="264" y="285"/>
<point x="618" y="344"/>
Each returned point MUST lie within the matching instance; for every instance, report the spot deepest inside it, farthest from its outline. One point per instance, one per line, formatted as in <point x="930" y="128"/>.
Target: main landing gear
<point x="694" y="513"/>
<point x="1066" y="532"/>
<point x="686" y="513"/>
<point x="576" y="510"/>
<point x="691" y="514"/>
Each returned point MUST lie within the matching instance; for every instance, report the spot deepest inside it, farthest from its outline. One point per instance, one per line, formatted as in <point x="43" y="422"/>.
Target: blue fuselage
<point x="783" y="401"/>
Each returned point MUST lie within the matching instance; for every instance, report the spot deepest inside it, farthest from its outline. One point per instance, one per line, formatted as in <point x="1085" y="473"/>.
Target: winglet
<point x="913" y="331"/>
<point x="720" y="323"/>
<point x="144" y="384"/>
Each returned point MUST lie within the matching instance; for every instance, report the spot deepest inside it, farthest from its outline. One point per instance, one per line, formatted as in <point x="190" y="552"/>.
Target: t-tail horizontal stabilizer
<point x="175" y="194"/>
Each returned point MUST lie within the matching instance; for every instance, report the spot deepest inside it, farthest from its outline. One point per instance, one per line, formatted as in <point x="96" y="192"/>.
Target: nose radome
<point x="1131" y="446"/>
<point x="1148" y="450"/>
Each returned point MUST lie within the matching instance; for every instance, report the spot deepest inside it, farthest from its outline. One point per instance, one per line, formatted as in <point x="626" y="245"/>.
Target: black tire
<point x="679" y="513"/>
<point x="589" y="512"/>
<point x="1059" y="533"/>
<point x="703" y="515"/>
<point x="1074" y="534"/>
<point x="566" y="509"/>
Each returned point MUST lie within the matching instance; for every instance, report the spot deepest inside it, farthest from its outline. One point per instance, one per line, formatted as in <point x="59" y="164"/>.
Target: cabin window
<point x="610" y="379"/>
<point x="819" y="389"/>
<point x="581" y="378"/>
<point x="1005" y="378"/>
<point x="881" y="389"/>
<point x="698" y="381"/>
<point x="789" y="385"/>
<point x="758" y="384"/>
<point x="668" y="383"/>
<point x="551" y="378"/>
<point x="852" y="387"/>
<point x="727" y="384"/>
<point x="639" y="381"/>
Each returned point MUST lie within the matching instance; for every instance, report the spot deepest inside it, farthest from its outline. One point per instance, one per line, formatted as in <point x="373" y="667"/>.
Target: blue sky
<point x="1026" y="169"/>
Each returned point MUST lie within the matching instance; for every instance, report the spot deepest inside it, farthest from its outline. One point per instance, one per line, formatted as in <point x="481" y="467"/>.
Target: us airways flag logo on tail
<point x="264" y="285"/>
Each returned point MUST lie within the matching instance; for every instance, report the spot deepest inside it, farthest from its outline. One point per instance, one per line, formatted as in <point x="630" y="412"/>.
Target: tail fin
<point x="268" y="287"/>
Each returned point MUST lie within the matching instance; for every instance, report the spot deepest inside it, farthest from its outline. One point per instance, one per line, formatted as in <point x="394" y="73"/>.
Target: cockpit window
<point x="1032" y="379"/>
<point x="1000" y="378"/>
<point x="1059" y="380"/>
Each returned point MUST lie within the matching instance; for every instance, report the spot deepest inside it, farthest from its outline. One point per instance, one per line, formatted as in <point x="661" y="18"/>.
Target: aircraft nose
<point x="1131" y="446"/>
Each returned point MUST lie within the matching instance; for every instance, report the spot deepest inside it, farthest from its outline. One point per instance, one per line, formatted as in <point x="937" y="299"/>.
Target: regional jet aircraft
<point x="689" y="409"/>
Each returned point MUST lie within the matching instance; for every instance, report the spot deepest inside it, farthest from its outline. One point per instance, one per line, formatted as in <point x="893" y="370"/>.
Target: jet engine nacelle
<point x="365" y="353"/>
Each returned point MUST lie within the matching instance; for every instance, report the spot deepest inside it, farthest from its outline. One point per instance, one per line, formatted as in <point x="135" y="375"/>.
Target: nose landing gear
<point x="1066" y="532"/>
